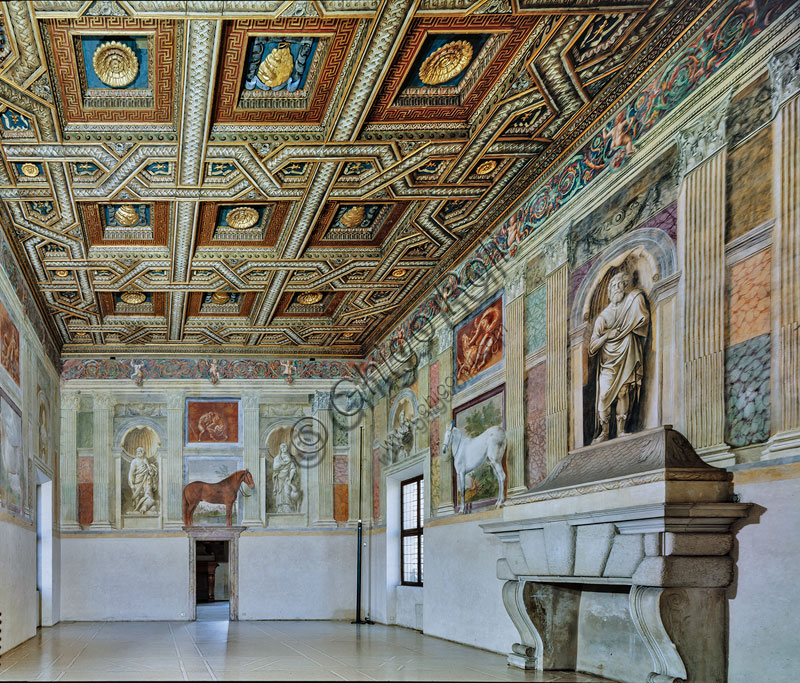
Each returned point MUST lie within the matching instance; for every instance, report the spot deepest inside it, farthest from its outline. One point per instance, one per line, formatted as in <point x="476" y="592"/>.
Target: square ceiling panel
<point x="281" y="71"/>
<point x="118" y="224"/>
<point x="356" y="224"/>
<point x="446" y="66"/>
<point x="241" y="225"/>
<point x="114" y="69"/>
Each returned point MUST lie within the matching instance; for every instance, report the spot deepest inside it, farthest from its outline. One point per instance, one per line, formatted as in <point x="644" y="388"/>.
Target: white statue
<point x="470" y="453"/>
<point x="285" y="481"/>
<point x="618" y="337"/>
<point x="402" y="437"/>
<point x="143" y="482"/>
<point x="138" y="373"/>
<point x="213" y="371"/>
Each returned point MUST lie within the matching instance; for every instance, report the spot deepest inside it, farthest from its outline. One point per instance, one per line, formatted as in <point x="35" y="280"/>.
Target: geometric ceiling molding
<point x="308" y="172"/>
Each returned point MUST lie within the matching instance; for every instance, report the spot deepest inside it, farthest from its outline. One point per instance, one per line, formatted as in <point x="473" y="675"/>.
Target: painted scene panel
<point x="9" y="344"/>
<point x="478" y="345"/>
<point x="213" y="469"/>
<point x="13" y="465"/>
<point x="212" y="421"/>
<point x="475" y="417"/>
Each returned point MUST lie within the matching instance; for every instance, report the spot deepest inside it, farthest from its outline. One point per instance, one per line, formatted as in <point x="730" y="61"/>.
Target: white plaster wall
<point x="764" y="612"/>
<point x="297" y="575"/>
<point x="18" y="599"/>
<point x="463" y="600"/>
<point x="124" y="578"/>
<point x="409" y="606"/>
<point x="375" y="598"/>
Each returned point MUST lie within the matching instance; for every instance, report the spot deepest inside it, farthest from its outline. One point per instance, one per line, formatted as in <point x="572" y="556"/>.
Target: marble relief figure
<point x="143" y="482"/>
<point x="285" y="481"/>
<point x="618" y="341"/>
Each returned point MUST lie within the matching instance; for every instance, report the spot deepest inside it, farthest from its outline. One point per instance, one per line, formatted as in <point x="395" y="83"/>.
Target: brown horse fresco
<point x="224" y="491"/>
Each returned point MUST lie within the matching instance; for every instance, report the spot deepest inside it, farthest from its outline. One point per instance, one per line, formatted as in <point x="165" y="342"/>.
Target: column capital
<point x="515" y="283"/>
<point x="784" y="75"/>
<point x="70" y="400"/>
<point x="104" y="401"/>
<point x="322" y="401"/>
<point x="175" y="401"/>
<point x="702" y="139"/>
<point x="250" y="401"/>
<point x="556" y="251"/>
<point x="444" y="336"/>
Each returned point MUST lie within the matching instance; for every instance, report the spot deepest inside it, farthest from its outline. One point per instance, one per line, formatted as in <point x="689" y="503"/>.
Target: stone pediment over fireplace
<point x="636" y="530"/>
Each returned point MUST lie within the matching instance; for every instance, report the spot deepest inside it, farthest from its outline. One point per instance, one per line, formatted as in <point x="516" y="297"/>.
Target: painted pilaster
<point x="103" y="410"/>
<point x="252" y="503"/>
<point x="445" y="340"/>
<point x="557" y="351"/>
<point x="324" y="457"/>
<point x="701" y="244"/>
<point x="784" y="69"/>
<point x="68" y="462"/>
<point x="515" y="379"/>
<point x="173" y="463"/>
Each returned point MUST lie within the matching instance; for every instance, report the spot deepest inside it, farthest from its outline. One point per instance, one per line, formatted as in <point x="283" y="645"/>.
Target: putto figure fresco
<point x="618" y="339"/>
<point x="285" y="481"/>
<point x="143" y="481"/>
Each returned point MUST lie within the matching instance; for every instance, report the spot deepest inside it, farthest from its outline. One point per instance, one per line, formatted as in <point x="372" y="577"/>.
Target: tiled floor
<point x="215" y="649"/>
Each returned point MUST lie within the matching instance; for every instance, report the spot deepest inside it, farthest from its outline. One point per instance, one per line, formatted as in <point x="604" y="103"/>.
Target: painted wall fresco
<point x="341" y="476"/>
<point x="13" y="463"/>
<point x="475" y="417"/>
<point x="478" y="343"/>
<point x="212" y="469"/>
<point x="85" y="489"/>
<point x="535" y="319"/>
<point x="212" y="421"/>
<point x="9" y="344"/>
<point x="175" y="368"/>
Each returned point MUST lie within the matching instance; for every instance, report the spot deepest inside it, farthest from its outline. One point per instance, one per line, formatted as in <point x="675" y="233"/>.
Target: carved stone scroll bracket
<point x="527" y="653"/>
<point x="682" y="629"/>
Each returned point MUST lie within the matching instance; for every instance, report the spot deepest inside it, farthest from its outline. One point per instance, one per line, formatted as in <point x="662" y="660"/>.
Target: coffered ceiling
<point x="286" y="177"/>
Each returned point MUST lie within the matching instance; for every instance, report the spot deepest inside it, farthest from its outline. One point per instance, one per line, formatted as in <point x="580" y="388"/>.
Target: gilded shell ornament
<point x="276" y="67"/>
<point x="62" y="273"/>
<point x="30" y="170"/>
<point x="115" y="64"/>
<point x="242" y="218"/>
<point x="221" y="298"/>
<point x="133" y="298"/>
<point x="486" y="167"/>
<point x="309" y="298"/>
<point x="352" y="217"/>
<point x="399" y="272"/>
<point x="126" y="215"/>
<point x="446" y="62"/>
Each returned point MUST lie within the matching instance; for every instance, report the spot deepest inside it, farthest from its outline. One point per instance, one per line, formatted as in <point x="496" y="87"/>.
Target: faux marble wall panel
<point x="341" y="504"/>
<point x="749" y="185"/>
<point x="535" y="319"/>
<point x="748" y="298"/>
<point x="750" y="109"/>
<point x="435" y="442"/>
<point x="434" y="384"/>
<point x="340" y="471"/>
<point x="85" y="430"/>
<point x="747" y="391"/>
<point x="376" y="488"/>
<point x="536" y="426"/>
<point x="85" y="489"/>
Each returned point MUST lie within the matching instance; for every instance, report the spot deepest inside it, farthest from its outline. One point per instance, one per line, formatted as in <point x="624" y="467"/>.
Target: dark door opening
<point x="212" y="576"/>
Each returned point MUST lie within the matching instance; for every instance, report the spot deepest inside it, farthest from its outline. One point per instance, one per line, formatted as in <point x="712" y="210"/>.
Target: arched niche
<point x="649" y="256"/>
<point x="285" y="494"/>
<point x="141" y="500"/>
<point x="401" y="439"/>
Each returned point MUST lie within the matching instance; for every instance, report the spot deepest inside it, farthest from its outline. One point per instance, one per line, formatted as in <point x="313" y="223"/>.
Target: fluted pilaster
<point x="68" y="462"/>
<point x="445" y="341"/>
<point x="515" y="379"/>
<point x="701" y="238"/>
<point x="252" y="503"/>
<point x="173" y="469"/>
<point x="556" y="369"/>
<point x="324" y="467"/>
<point x="784" y="69"/>
<point x="103" y="407"/>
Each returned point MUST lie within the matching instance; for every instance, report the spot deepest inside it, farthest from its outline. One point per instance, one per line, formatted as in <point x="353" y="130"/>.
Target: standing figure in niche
<point x="285" y="481"/>
<point x="618" y="337"/>
<point x="143" y="480"/>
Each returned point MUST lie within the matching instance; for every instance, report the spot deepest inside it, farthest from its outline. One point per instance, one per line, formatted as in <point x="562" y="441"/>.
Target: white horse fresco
<point x="470" y="453"/>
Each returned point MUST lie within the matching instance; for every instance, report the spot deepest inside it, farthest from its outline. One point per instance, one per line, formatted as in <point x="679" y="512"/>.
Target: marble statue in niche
<point x="617" y="342"/>
<point x="139" y="446"/>
<point x="401" y="438"/>
<point x="286" y="481"/>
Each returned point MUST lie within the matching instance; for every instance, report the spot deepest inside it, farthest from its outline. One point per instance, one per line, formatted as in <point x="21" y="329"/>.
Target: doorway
<point x="212" y="579"/>
<point x="44" y="549"/>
